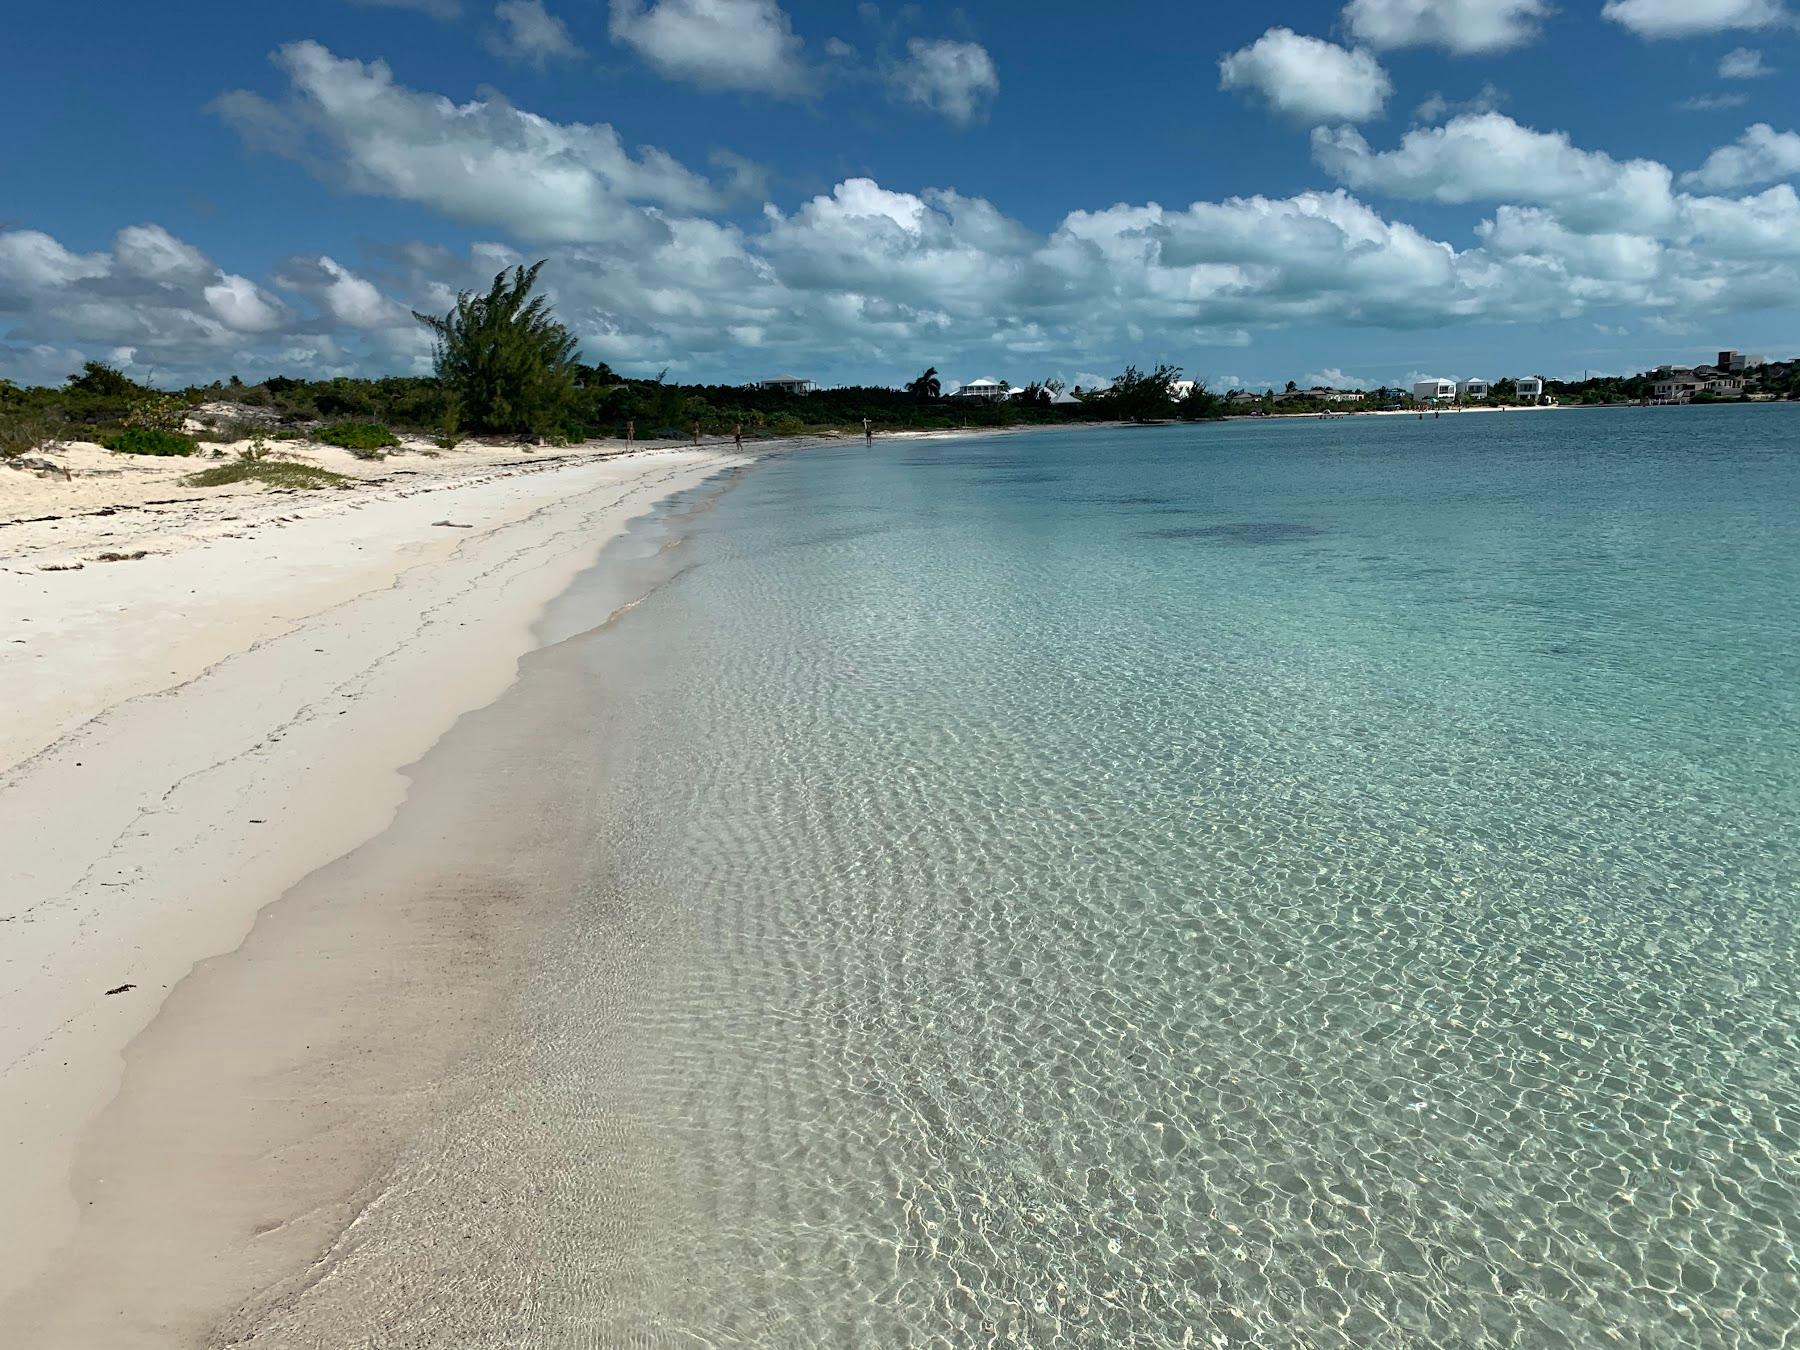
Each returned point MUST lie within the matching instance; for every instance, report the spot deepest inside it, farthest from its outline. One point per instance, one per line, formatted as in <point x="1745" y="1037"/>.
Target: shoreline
<point x="230" y="716"/>
<point x="1334" y="414"/>
<point x="239" y="707"/>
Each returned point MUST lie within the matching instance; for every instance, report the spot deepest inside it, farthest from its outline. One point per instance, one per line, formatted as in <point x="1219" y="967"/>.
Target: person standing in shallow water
<point x="868" y="432"/>
<point x="737" y="435"/>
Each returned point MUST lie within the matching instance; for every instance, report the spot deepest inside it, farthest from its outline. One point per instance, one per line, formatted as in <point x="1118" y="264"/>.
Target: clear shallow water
<point x="1297" y="885"/>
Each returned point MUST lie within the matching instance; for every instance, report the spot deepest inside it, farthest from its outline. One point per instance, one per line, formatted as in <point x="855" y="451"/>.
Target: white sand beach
<point x="210" y="717"/>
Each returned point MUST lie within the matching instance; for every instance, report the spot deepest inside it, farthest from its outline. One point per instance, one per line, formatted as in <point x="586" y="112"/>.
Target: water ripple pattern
<point x="1298" y="886"/>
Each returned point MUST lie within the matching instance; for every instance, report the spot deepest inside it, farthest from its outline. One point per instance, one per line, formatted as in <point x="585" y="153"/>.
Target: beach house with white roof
<point x="1434" y="391"/>
<point x="986" y="390"/>
<point x="1472" y="389"/>
<point x="787" y="384"/>
<point x="1528" y="389"/>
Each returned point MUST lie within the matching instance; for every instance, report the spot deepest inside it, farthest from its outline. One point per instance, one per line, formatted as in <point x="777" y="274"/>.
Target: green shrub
<point x="365" y="440"/>
<point x="153" y="411"/>
<point x="97" y="378"/>
<point x="448" y="437"/>
<point x="149" y="441"/>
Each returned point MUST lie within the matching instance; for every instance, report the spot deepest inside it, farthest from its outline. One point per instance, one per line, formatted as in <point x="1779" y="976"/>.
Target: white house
<point x="1674" y="386"/>
<point x="1434" y="391"/>
<point x="787" y="384"/>
<point x="1530" y="389"/>
<point x="985" y="389"/>
<point x="1472" y="389"/>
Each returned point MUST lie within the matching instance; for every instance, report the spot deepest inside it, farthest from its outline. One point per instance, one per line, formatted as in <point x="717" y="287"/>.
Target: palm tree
<point x="926" y="387"/>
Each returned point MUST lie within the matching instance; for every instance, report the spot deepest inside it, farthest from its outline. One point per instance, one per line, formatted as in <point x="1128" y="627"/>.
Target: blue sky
<point x="729" y="189"/>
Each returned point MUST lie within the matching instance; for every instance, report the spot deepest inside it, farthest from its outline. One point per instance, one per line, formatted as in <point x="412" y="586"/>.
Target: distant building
<point x="1731" y="361"/>
<point x="787" y="384"/>
<point x="1472" y="390"/>
<point x="1674" y="386"/>
<point x="985" y="390"/>
<point x="1434" y="391"/>
<point x="1679" y="386"/>
<point x="1528" y="389"/>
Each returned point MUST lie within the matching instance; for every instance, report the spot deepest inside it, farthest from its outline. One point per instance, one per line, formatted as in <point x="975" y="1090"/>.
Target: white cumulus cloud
<point x="152" y="253"/>
<point x="1761" y="230"/>
<point x="156" y="299"/>
<point x="530" y="35"/>
<point x="484" y="162"/>
<point x="32" y="260"/>
<point x="1530" y="232"/>
<point x="1488" y="157"/>
<point x="1761" y="155"/>
<point x="350" y="299"/>
<point x="240" y="304"/>
<point x="956" y="79"/>
<point x="1686" y="18"/>
<point x="1744" y="63"/>
<point x="1307" y="78"/>
<point x="1464" y="27"/>
<point x="718" y="44"/>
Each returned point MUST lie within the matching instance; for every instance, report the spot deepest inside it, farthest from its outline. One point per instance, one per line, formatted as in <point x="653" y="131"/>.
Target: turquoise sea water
<point x="1315" y="884"/>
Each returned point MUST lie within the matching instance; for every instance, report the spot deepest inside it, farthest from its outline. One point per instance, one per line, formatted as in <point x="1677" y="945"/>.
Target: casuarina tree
<point x="503" y="357"/>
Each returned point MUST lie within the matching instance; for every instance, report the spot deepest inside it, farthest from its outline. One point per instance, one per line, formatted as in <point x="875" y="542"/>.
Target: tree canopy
<point x="1138" y="396"/>
<point x="927" y="386"/>
<point x="503" y="357"/>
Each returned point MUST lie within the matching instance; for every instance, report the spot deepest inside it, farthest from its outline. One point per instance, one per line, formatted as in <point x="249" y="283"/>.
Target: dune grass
<point x="281" y="473"/>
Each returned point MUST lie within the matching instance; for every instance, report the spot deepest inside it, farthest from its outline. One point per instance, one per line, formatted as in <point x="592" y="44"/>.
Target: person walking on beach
<point x="631" y="431"/>
<point x="696" y="435"/>
<point x="737" y="435"/>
